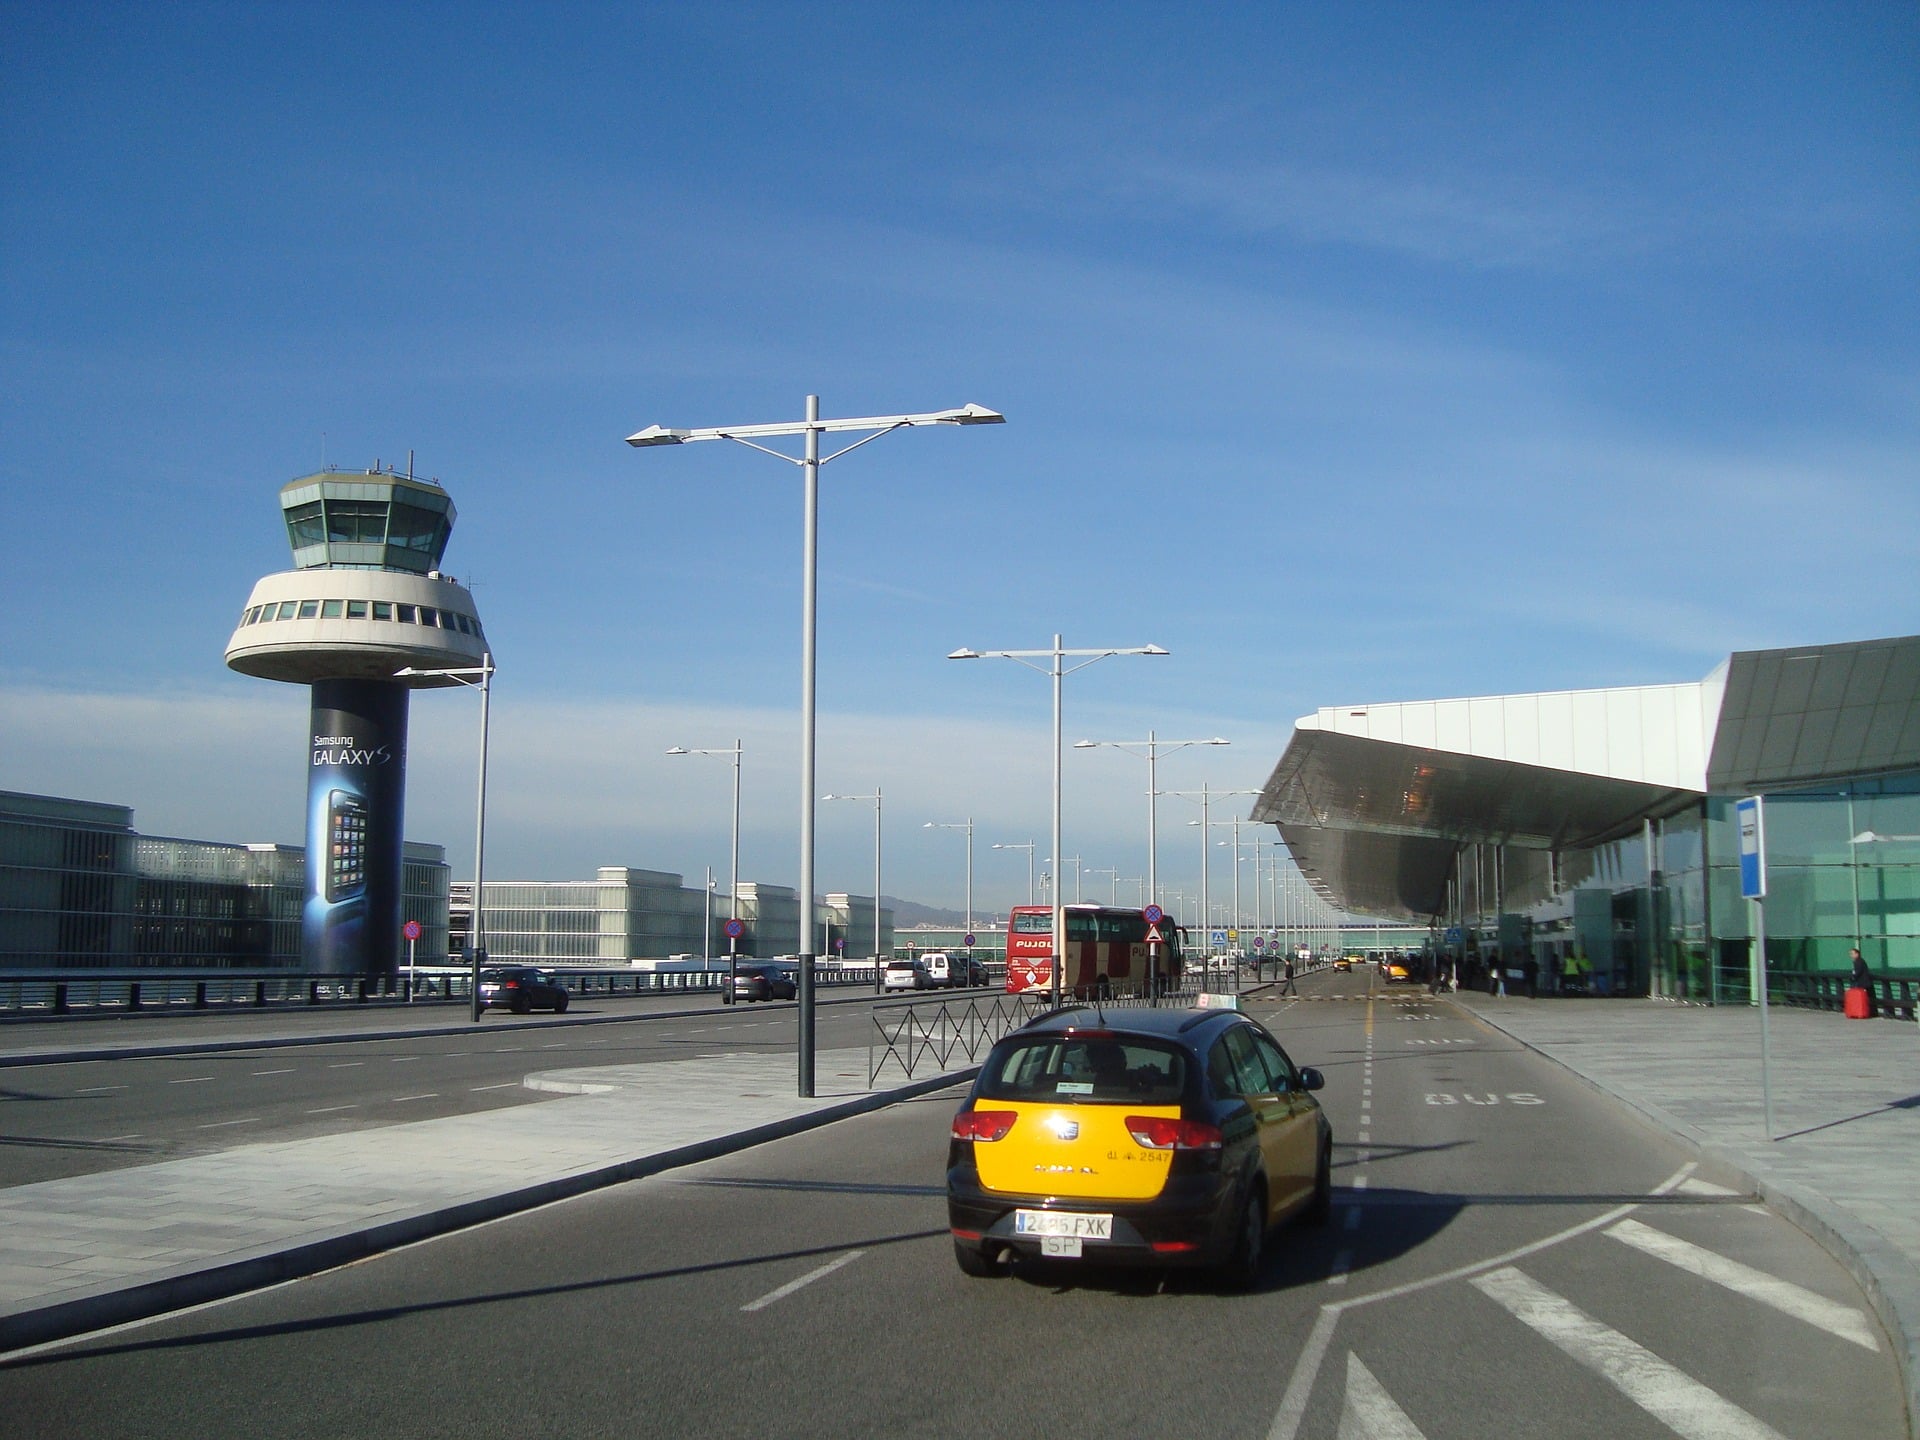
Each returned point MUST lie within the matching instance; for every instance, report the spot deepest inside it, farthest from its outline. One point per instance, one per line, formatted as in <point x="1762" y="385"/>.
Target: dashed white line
<point x="98" y="1089"/>
<point x="806" y="1279"/>
<point x="1664" y="1391"/>
<point x="1342" y="1263"/>
<point x="345" y="1064"/>
<point x="503" y="1085"/>
<point x="222" y="1124"/>
<point x="287" y="1071"/>
<point x="329" y="1109"/>
<point x="430" y="1095"/>
<point x="401" y="1059"/>
<point x="190" y="1080"/>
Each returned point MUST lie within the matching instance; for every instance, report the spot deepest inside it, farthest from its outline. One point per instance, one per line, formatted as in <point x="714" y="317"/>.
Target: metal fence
<point x="938" y="1035"/>
<point x="1893" y="997"/>
<point x="158" y="992"/>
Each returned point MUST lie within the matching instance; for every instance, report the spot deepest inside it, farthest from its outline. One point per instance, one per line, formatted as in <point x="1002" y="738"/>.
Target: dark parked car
<point x="1144" y="1137"/>
<point x="762" y="982"/>
<point x="521" y="988"/>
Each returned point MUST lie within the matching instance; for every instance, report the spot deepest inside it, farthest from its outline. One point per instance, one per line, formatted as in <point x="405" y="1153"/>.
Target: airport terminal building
<point x="1597" y="826"/>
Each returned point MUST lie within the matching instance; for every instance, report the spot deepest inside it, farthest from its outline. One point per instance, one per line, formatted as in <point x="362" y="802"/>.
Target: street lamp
<point x="810" y="462"/>
<point x="966" y="825"/>
<point x="733" y="897"/>
<point x="1056" y="655"/>
<point x="1026" y="845"/>
<point x="1154" y="749"/>
<point x="477" y="940"/>
<point x="1113" y="874"/>
<point x="879" y="966"/>
<point x="1206" y="797"/>
<point x="1073" y="860"/>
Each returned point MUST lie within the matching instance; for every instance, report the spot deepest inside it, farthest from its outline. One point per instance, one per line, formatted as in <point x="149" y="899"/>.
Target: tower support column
<point x="356" y="799"/>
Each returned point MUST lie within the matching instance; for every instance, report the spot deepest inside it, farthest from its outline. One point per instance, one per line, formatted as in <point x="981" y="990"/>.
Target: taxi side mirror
<point x="1312" y="1079"/>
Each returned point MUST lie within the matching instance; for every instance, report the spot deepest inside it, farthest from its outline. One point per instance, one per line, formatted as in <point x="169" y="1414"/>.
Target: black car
<point x="522" y="988"/>
<point x="1146" y="1137"/>
<point x="762" y="981"/>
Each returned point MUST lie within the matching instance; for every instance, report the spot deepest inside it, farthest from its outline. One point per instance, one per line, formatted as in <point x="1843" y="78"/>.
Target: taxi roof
<point x="1129" y="1020"/>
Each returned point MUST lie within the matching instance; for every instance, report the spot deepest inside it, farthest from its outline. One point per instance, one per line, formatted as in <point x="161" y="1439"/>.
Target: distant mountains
<point x="910" y="915"/>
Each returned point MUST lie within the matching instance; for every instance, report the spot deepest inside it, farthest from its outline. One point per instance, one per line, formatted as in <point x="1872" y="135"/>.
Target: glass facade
<point x="80" y="890"/>
<point x="379" y="521"/>
<point x="1843" y="870"/>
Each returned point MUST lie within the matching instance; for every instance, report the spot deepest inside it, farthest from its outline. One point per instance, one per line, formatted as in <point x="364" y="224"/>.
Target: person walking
<point x="1862" y="977"/>
<point x="1287" y="986"/>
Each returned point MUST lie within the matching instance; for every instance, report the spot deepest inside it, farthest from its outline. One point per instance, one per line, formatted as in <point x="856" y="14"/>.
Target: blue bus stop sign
<point x="1753" y="847"/>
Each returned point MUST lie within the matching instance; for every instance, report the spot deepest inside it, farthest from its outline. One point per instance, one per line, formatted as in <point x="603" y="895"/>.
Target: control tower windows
<point x="404" y="614"/>
<point x="356" y="609"/>
<point x="309" y="609"/>
<point x="305" y="526"/>
<point x="383" y="610"/>
<point x="331" y="609"/>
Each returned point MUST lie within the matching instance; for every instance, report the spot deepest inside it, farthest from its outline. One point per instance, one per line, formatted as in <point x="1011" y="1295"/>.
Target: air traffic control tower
<point x="366" y="599"/>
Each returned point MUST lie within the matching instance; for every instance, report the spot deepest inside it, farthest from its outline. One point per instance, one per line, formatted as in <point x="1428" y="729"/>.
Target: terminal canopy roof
<point x="1375" y="801"/>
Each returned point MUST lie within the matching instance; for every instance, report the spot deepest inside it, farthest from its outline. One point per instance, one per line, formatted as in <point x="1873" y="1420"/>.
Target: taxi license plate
<point x="1060" y="1225"/>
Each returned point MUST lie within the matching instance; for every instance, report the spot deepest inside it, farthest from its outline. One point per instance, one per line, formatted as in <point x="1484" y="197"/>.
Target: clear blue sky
<point x="1352" y="353"/>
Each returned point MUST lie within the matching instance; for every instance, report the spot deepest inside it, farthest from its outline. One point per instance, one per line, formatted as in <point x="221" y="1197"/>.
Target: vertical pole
<point x="733" y="891"/>
<point x="876" y="877"/>
<point x="479" y="935"/>
<point x="706" y="926"/>
<point x="1206" y="869"/>
<point x="1059" y="918"/>
<point x="1758" y="910"/>
<point x="809" y="593"/>
<point x="969" y="880"/>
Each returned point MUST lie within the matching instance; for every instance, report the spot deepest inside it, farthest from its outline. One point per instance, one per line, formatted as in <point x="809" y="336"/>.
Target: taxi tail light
<point x="1169" y="1132"/>
<point x="985" y="1125"/>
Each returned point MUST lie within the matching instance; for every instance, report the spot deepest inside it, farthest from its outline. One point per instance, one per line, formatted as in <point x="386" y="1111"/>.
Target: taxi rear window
<point x="1119" y="1069"/>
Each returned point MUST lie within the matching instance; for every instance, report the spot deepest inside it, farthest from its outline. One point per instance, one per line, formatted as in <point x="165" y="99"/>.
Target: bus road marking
<point x="806" y="1279"/>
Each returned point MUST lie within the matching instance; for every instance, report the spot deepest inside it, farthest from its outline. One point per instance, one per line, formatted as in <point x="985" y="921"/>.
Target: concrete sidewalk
<point x="1844" y="1159"/>
<point x="95" y="1250"/>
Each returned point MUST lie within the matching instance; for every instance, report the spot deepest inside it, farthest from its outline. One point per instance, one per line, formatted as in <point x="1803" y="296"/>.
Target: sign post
<point x="734" y="929"/>
<point x="412" y="931"/>
<point x="1153" y="915"/>
<point x="1751" y="819"/>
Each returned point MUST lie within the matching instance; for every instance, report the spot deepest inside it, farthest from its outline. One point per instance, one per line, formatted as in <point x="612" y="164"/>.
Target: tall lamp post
<point x="474" y="677"/>
<point x="733" y="895"/>
<point x="1073" y="860"/>
<point x="1150" y="749"/>
<point x="879" y="965"/>
<point x="1206" y="796"/>
<point x="1026" y="845"/>
<point x="1113" y="877"/>
<point x="1056" y="670"/>
<point x="810" y="462"/>
<point x="966" y="825"/>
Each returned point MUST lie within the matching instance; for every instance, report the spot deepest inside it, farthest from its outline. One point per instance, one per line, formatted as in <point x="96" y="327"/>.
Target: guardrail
<point x="156" y="992"/>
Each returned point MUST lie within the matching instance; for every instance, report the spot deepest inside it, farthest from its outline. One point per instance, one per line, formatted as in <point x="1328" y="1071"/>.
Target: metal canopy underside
<point x="1375" y="811"/>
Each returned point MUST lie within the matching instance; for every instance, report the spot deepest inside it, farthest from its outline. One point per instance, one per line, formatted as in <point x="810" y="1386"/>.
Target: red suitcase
<point x="1859" y="1003"/>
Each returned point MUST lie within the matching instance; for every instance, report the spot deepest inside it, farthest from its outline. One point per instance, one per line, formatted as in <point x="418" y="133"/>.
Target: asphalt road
<point x="1511" y="1254"/>
<point x="90" y="1115"/>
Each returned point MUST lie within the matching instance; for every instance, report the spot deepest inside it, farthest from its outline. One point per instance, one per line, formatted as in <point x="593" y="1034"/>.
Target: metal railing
<point x="911" y="1035"/>
<point x="1894" y="997"/>
<point x="158" y="992"/>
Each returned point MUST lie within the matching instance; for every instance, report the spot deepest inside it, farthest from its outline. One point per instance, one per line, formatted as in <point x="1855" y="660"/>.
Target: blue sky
<point x="1353" y="353"/>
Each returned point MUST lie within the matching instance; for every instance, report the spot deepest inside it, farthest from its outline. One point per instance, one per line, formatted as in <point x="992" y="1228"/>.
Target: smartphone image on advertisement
<point x="346" y="845"/>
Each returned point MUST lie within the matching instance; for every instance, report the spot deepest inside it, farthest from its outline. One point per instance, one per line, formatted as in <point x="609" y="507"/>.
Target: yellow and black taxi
<point x="1136" y="1136"/>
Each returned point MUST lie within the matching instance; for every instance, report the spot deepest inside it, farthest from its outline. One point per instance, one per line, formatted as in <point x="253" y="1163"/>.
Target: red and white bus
<point x="1107" y="951"/>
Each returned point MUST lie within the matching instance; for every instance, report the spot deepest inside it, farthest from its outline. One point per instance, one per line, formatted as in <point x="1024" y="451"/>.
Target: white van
<point x="951" y="971"/>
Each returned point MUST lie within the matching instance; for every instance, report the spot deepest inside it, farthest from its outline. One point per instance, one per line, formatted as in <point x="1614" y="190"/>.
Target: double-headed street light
<point x="1026" y="845"/>
<point x="966" y="825"/>
<point x="1056" y="670"/>
<point x="810" y="462"/>
<point x="879" y="965"/>
<point x="1206" y="796"/>
<point x="474" y="677"/>
<point x="733" y="901"/>
<point x="1151" y="749"/>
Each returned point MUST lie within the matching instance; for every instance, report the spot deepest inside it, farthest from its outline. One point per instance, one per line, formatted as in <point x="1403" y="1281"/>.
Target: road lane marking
<point x="430" y="1095"/>
<point x="504" y="1084"/>
<point x="112" y="1139"/>
<point x="1306" y="1369"/>
<point x="329" y="1109"/>
<point x="222" y="1124"/>
<point x="1783" y="1295"/>
<point x="1664" y="1391"/>
<point x="1342" y="1263"/>
<point x="401" y="1059"/>
<point x="1370" y="1411"/>
<point x="190" y="1080"/>
<point x="97" y="1089"/>
<point x="1352" y="1221"/>
<point x="806" y="1279"/>
<point x="287" y="1071"/>
<point x="345" y="1064"/>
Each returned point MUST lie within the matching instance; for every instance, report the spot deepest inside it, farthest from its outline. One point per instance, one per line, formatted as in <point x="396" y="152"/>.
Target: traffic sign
<point x="1219" y="937"/>
<point x="1154" y="937"/>
<point x="1153" y="914"/>
<point x="968" y="941"/>
<point x="1753" y="847"/>
<point x="840" y="942"/>
<point x="411" y="929"/>
<point x="1259" y="942"/>
<point x="734" y="929"/>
